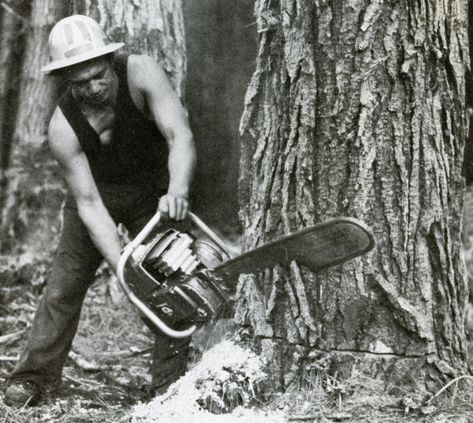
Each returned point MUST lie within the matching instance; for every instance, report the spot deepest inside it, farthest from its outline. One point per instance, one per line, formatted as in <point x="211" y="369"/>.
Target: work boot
<point x="169" y="363"/>
<point x="19" y="394"/>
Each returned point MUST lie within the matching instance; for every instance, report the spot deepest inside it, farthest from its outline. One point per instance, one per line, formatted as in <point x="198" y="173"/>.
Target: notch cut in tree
<point x="357" y="109"/>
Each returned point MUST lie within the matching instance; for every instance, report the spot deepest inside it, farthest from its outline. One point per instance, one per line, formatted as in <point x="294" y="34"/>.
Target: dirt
<point x="220" y="388"/>
<point x="106" y="377"/>
<point x="107" y="369"/>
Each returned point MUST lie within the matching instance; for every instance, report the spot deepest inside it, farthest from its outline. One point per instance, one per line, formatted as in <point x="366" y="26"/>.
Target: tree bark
<point x="358" y="108"/>
<point x="468" y="172"/>
<point x="153" y="27"/>
<point x="13" y="23"/>
<point x="468" y="158"/>
<point x="32" y="194"/>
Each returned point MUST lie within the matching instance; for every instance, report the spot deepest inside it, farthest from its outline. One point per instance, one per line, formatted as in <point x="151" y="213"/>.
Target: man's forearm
<point x="103" y="232"/>
<point x="181" y="163"/>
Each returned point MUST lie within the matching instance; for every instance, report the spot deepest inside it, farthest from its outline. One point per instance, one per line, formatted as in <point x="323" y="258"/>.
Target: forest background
<point x="221" y="47"/>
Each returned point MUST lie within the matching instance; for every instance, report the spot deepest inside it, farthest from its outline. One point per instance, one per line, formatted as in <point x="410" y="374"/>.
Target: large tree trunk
<point x="468" y="159"/>
<point x="468" y="171"/>
<point x="153" y="27"/>
<point x="32" y="194"/>
<point x="357" y="108"/>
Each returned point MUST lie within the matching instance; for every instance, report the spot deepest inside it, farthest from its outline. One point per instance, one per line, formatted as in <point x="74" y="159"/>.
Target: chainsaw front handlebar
<point x="128" y="251"/>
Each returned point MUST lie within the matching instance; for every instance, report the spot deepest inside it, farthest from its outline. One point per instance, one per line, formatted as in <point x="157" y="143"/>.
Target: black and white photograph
<point x="248" y="211"/>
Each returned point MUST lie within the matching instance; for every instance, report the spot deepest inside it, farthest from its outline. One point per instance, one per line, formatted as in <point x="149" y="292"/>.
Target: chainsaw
<point x="180" y="281"/>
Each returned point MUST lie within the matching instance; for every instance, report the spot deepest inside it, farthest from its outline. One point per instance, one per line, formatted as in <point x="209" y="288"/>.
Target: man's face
<point x="93" y="82"/>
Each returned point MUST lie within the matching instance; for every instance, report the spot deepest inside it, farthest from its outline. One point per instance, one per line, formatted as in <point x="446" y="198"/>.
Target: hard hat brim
<point x="64" y="63"/>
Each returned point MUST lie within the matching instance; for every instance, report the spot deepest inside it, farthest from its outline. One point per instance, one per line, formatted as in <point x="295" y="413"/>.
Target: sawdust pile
<point x="226" y="373"/>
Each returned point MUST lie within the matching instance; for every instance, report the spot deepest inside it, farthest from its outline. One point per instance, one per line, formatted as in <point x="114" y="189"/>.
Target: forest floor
<point x="106" y="376"/>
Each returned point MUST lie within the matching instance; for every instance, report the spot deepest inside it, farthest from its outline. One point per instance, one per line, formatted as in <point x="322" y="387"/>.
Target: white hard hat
<point x="76" y="39"/>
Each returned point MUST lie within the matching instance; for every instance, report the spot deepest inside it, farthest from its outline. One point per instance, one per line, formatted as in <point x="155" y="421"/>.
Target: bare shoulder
<point x="145" y="72"/>
<point x="62" y="138"/>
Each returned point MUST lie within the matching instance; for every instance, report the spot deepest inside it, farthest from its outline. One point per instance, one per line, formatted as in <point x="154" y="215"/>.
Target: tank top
<point x="137" y="150"/>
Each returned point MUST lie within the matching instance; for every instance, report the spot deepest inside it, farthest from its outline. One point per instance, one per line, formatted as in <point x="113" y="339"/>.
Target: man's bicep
<point x="66" y="150"/>
<point x="162" y="100"/>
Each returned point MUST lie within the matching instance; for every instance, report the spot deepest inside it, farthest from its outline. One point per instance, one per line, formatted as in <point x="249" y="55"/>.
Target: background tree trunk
<point x="32" y="194"/>
<point x="33" y="190"/>
<point x="13" y="25"/>
<point x="357" y="109"/>
<point x="153" y="27"/>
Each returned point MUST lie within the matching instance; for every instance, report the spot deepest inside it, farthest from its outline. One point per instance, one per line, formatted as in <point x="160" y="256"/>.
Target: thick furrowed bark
<point x="357" y="108"/>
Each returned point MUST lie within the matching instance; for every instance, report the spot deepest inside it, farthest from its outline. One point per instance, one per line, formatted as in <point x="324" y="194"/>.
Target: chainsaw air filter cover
<point x="171" y="274"/>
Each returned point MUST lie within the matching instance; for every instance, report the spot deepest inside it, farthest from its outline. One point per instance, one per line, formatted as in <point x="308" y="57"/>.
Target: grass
<point x="114" y="347"/>
<point x="107" y="373"/>
<point x="364" y="400"/>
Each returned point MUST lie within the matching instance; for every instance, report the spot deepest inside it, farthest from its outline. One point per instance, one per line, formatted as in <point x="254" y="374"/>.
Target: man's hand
<point x="170" y="117"/>
<point x="173" y="207"/>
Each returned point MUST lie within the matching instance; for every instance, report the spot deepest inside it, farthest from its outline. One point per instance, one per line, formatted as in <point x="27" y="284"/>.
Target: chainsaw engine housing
<point x="172" y="275"/>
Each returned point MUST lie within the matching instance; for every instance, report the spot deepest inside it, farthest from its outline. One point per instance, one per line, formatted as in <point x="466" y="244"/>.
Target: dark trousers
<point x="57" y="317"/>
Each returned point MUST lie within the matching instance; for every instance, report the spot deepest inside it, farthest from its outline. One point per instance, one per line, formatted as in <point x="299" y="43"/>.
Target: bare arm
<point x="66" y="149"/>
<point x="170" y="117"/>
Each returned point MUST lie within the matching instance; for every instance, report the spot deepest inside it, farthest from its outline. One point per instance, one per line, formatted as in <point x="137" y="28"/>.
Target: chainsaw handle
<point x="131" y="247"/>
<point x="154" y="221"/>
<point x="133" y="298"/>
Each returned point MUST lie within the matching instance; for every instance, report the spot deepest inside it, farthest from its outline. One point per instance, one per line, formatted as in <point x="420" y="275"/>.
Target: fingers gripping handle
<point x="132" y="297"/>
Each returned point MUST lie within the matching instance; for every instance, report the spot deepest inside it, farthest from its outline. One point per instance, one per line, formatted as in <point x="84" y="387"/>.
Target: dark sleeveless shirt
<point x="137" y="150"/>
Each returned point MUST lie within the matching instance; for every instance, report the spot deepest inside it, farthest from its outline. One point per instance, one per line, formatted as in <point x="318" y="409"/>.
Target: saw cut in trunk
<point x="358" y="109"/>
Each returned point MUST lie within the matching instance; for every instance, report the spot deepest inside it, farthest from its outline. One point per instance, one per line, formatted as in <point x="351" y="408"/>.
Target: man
<point x="122" y="139"/>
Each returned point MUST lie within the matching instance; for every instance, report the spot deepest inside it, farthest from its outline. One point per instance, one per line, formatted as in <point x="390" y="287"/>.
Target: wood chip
<point x="11" y="337"/>
<point x="9" y="358"/>
<point x="84" y="364"/>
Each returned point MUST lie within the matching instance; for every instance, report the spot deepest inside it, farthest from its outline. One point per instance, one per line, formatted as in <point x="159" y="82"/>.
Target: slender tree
<point x="31" y="196"/>
<point x="358" y="108"/>
<point x="33" y="192"/>
<point x="13" y="25"/>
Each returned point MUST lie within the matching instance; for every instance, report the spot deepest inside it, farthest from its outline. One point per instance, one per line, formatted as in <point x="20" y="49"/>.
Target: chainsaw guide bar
<point x="317" y="247"/>
<point x="179" y="282"/>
